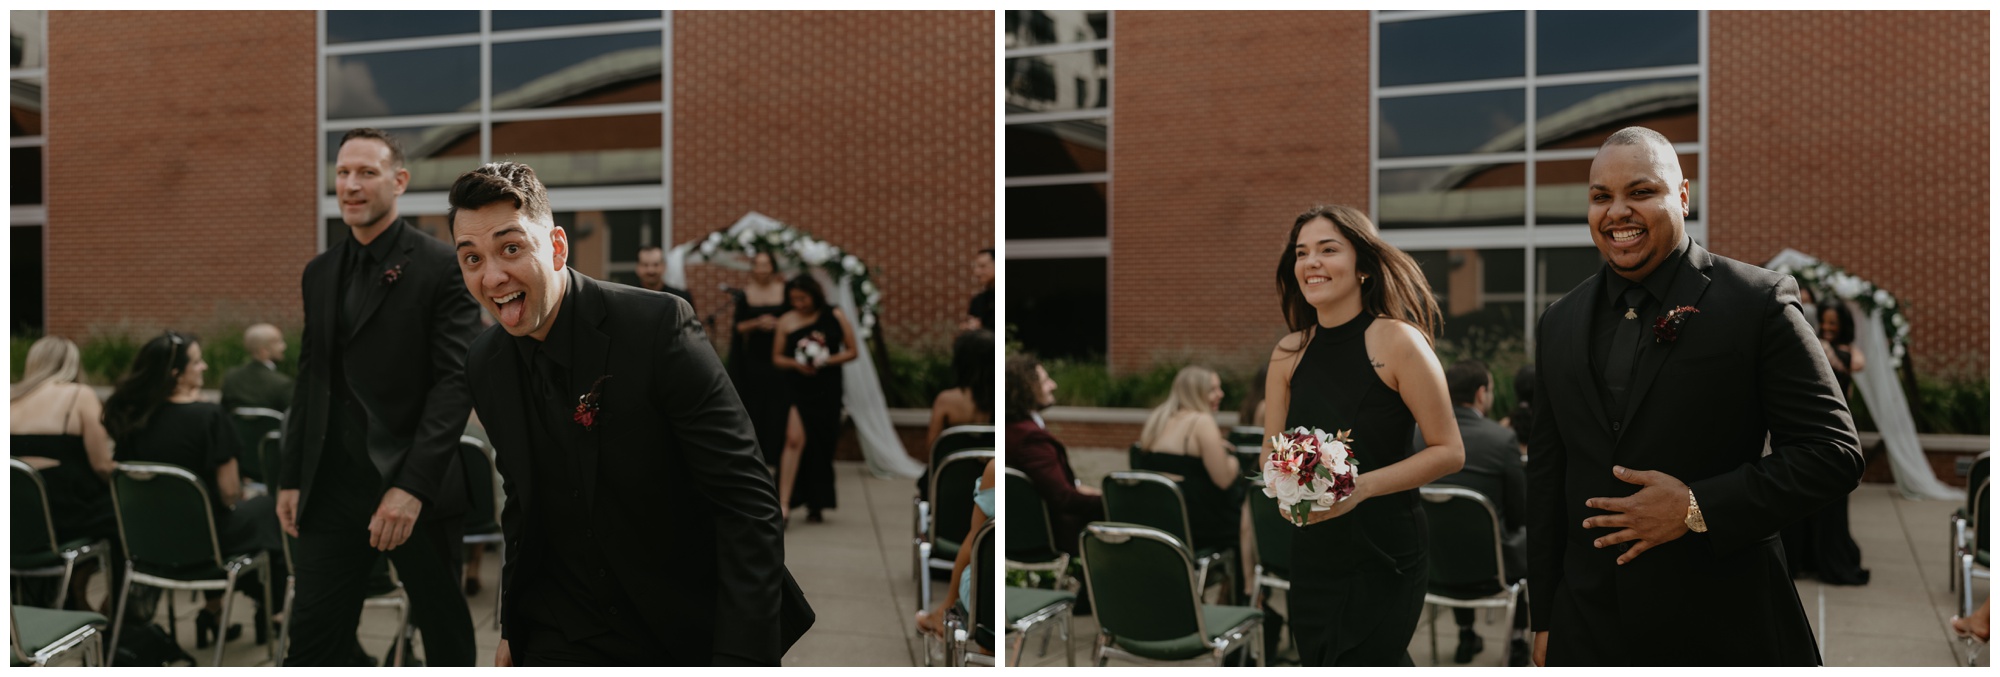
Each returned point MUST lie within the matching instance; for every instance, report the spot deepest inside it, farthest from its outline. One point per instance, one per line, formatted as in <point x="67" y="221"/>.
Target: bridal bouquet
<point x="1308" y="471"/>
<point x="811" y="350"/>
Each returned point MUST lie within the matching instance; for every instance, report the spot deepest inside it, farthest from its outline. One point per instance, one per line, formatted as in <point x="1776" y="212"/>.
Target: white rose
<point x="1289" y="492"/>
<point x="1883" y="299"/>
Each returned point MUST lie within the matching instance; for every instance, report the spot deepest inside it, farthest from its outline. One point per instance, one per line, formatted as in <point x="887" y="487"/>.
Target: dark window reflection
<point x="586" y="71"/>
<point x="24" y="116"/>
<point x="24" y="34"/>
<point x="1027" y="28"/>
<point x="1479" y="291"/>
<point x="509" y="20"/>
<point x="26" y="164"/>
<point x="1449" y="124"/>
<point x="1056" y="211"/>
<point x="621" y="149"/>
<point x="1451" y="49"/>
<point x="1563" y="193"/>
<point x="435" y="155"/>
<point x="26" y="276"/>
<point x="402" y="83"/>
<point x="1059" y="82"/>
<point x="1574" y="41"/>
<point x="631" y="230"/>
<point x="1559" y="270"/>
<point x="1583" y="116"/>
<point x="1057" y="306"/>
<point x="1056" y="148"/>
<point x="1453" y="196"/>
<point x="359" y="26"/>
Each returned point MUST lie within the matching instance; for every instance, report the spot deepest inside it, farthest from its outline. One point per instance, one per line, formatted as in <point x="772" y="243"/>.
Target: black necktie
<point x="1625" y="346"/>
<point x="357" y="287"/>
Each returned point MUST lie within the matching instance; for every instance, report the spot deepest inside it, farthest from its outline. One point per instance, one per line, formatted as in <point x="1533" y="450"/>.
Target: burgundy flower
<point x="1667" y="328"/>
<point x="390" y="276"/>
<point x="587" y="406"/>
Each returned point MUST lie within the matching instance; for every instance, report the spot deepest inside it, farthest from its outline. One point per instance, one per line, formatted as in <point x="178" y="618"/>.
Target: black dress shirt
<point x="1605" y="318"/>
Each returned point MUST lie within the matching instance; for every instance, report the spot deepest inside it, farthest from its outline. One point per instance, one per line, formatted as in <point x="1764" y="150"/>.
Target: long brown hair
<point x="1395" y="286"/>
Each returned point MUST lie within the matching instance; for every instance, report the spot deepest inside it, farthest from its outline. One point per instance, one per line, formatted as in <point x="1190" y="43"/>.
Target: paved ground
<point x="855" y="570"/>
<point x="1898" y="619"/>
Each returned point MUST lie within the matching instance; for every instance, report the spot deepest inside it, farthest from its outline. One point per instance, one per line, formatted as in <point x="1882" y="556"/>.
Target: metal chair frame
<point x="1966" y="545"/>
<point x="87" y="637"/>
<point x="958" y="633"/>
<point x="925" y="562"/>
<point x="233" y="567"/>
<point x="498" y="536"/>
<point x="1980" y="471"/>
<point x="1020" y="629"/>
<point x="920" y="507"/>
<point x="263" y="483"/>
<point x="99" y="550"/>
<point x="1251" y="631"/>
<point x="1509" y="596"/>
<point x="1202" y="565"/>
<point x="1060" y="566"/>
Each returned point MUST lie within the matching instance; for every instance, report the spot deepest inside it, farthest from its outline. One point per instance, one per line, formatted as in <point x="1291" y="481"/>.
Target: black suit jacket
<point x="404" y="361"/>
<point x="680" y="493"/>
<point x="1700" y="407"/>
<point x="254" y="385"/>
<point x="1493" y="468"/>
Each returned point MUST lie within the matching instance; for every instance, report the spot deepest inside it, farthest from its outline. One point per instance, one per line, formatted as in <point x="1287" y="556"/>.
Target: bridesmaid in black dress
<point x="758" y="383"/>
<point x="805" y="476"/>
<point x="1822" y="544"/>
<point x="1359" y="357"/>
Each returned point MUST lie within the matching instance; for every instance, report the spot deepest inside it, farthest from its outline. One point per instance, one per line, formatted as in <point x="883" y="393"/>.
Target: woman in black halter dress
<point x="1360" y="359"/>
<point x="758" y="383"/>
<point x="815" y="395"/>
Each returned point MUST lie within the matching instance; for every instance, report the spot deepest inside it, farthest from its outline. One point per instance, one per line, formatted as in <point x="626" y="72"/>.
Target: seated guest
<point x="56" y="427"/>
<point x="1523" y="418"/>
<point x="1181" y="438"/>
<point x="257" y="383"/>
<point x="1036" y="453"/>
<point x="1493" y="468"/>
<point x="970" y="399"/>
<point x="932" y="621"/>
<point x="155" y="415"/>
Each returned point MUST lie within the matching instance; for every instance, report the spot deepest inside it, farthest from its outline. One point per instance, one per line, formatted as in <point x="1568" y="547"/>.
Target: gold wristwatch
<point x="1694" y="520"/>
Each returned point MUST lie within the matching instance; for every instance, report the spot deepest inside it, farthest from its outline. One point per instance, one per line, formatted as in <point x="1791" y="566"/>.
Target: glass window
<point x="413" y="82"/>
<point x="1066" y="300"/>
<point x="1574" y="41"/>
<point x="1583" y="116"/>
<point x="510" y="20"/>
<point x="621" y="149"/>
<point x="1452" y="49"/>
<point x="26" y="276"/>
<point x="1448" y="124"/>
<point x="25" y="114"/>
<point x="1479" y="292"/>
<point x="1456" y="195"/>
<point x="1071" y="147"/>
<point x="599" y="69"/>
<point x="1558" y="270"/>
<point x="24" y="34"/>
<point x="435" y="155"/>
<point x="1028" y="28"/>
<point x="1076" y="210"/>
<point x="359" y="26"/>
<point x="1562" y="192"/>
<point x="26" y="166"/>
<point x="1059" y="82"/>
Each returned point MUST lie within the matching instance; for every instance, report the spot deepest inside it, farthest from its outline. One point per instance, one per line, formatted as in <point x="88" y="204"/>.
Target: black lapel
<point x="1576" y="350"/>
<point x="324" y="308"/>
<point x="504" y="422"/>
<point x="381" y="282"/>
<point x="588" y="345"/>
<point x="1689" y="284"/>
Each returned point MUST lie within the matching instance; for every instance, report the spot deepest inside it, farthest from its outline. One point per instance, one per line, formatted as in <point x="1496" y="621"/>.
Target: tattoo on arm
<point x="1378" y="364"/>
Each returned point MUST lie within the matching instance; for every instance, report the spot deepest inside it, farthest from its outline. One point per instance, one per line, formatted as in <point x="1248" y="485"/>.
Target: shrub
<point x="911" y="378"/>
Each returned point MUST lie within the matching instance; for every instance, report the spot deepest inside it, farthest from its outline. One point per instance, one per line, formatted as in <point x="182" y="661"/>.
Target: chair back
<point x="163" y="516"/>
<point x="1030" y="538"/>
<point x="1465" y="537"/>
<point x="951" y="494"/>
<point x="1272" y="532"/>
<point x="34" y="531"/>
<point x="979" y="602"/>
<point x="1976" y="496"/>
<point x="1141" y="582"/>
<point x="952" y="440"/>
<point x="1247" y="436"/>
<point x="252" y="424"/>
<point x="482" y="514"/>
<point x="1147" y="499"/>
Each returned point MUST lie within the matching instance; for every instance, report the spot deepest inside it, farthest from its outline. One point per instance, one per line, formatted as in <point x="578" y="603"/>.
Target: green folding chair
<point x="1467" y="561"/>
<point x="36" y="552"/>
<point x="482" y="516"/>
<point x="950" y="441"/>
<point x="1148" y="606"/>
<point x="42" y="635"/>
<point x="1153" y="499"/>
<point x="1031" y="541"/>
<point x="165" y="522"/>
<point x="252" y="424"/>
<point x="1962" y="538"/>
<point x="951" y="516"/>
<point x="978" y="622"/>
<point x="1273" y="536"/>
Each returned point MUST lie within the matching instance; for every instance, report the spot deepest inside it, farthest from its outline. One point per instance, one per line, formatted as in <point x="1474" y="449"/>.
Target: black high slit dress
<point x="817" y="398"/>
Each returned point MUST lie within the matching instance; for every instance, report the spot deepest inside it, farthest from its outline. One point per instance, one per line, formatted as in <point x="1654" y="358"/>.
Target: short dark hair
<point x="652" y="248"/>
<point x="805" y="283"/>
<point x="395" y="149"/>
<point x="1844" y="335"/>
<point x="988" y="251"/>
<point x="496" y="181"/>
<point x="1465" y="379"/>
<point x="1023" y="387"/>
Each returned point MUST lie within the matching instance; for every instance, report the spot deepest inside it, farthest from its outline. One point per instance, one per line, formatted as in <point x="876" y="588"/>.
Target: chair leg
<point x="1434" y="633"/>
<point x="923" y="576"/>
<point x="228" y="601"/>
<point x="1069" y="636"/>
<point x="118" y="613"/>
<point x="62" y="589"/>
<point x="270" y="649"/>
<point x="1507" y="638"/>
<point x="285" y="633"/>
<point x="1099" y="656"/>
<point x="1965" y="584"/>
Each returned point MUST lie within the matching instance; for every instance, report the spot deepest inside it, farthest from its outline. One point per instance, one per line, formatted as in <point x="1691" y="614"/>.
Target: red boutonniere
<point x="1667" y="329"/>
<point x="390" y="276"/>
<point x="589" y="403"/>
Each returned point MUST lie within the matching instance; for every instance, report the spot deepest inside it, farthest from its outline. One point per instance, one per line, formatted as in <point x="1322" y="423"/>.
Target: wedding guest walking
<point x="370" y="456"/>
<point x="1653" y="509"/>
<point x="257" y="382"/>
<point x="1359" y="358"/>
<point x="57" y="426"/>
<point x="758" y="382"/>
<point x="817" y="340"/>
<point x="1822" y="544"/>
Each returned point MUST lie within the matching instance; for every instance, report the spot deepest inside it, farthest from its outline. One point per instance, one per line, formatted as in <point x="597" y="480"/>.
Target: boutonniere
<point x="589" y="403"/>
<point x="1667" y="328"/>
<point x="390" y="276"/>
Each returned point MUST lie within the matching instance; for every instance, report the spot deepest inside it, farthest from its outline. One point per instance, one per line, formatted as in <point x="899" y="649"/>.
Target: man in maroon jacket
<point x="1032" y="450"/>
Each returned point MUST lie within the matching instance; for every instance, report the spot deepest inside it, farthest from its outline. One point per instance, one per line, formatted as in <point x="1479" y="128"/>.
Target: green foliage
<point x="1503" y="355"/>
<point x="1090" y="383"/>
<point x="21" y="345"/>
<point x="911" y="378"/>
<point x="107" y="354"/>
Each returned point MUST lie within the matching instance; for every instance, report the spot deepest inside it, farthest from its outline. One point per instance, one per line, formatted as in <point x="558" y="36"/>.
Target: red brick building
<point x="1856" y="137"/>
<point x="170" y="168"/>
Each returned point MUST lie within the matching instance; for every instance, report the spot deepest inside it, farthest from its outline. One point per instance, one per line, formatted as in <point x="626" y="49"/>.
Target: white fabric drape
<point x="1877" y="383"/>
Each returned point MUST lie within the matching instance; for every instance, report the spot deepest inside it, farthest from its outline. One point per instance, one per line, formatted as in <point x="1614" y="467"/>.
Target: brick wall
<point x="1861" y="138"/>
<point x="1228" y="125"/>
<point x="180" y="172"/>
<point x="872" y="130"/>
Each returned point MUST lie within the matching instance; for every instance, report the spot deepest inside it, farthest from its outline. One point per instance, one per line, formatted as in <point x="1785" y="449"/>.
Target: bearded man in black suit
<point x="1653" y="512"/>
<point x="370" y="457"/>
<point x="641" y="523"/>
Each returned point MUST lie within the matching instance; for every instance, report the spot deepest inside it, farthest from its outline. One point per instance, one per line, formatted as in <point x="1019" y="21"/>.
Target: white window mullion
<point x="1060" y="248"/>
<point x="578" y="31"/>
<point x="401" y="44"/>
<point x="1059" y="48"/>
<point x="1058" y="116"/>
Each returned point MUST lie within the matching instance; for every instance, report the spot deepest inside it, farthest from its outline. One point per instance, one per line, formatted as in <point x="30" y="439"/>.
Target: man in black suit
<point x="641" y="522"/>
<point x="257" y="383"/>
<point x="1492" y="468"/>
<point x="370" y="461"/>
<point x="1653" y="513"/>
<point x="652" y="272"/>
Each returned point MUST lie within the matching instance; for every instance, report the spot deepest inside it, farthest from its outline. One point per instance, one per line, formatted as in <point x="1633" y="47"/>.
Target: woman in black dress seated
<point x="1181" y="438"/>
<point x="155" y="414"/>
<point x="805" y="476"/>
<point x="1822" y="544"/>
<point x="57" y="428"/>
<point x="758" y="383"/>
